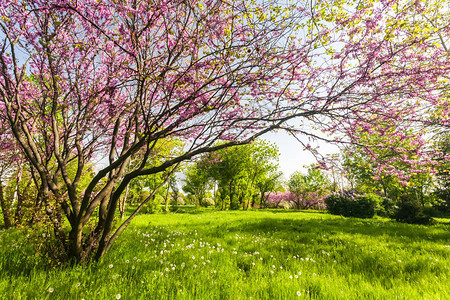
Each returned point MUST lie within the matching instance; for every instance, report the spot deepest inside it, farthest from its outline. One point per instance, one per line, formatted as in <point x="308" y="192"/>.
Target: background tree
<point x="309" y="189"/>
<point x="197" y="183"/>
<point x="442" y="191"/>
<point x="267" y="184"/>
<point x="240" y="173"/>
<point x="390" y="168"/>
<point x="138" y="187"/>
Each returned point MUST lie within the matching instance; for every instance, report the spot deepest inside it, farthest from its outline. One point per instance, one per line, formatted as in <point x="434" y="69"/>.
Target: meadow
<point x="260" y="254"/>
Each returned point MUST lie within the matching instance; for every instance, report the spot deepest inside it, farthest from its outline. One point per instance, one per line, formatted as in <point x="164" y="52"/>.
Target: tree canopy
<point x="84" y="79"/>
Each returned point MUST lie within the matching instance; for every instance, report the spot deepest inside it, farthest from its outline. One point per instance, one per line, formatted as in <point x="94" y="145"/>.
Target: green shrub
<point x="351" y="204"/>
<point x="443" y="200"/>
<point x="153" y="205"/>
<point x="412" y="213"/>
<point x="433" y="212"/>
<point x="386" y="207"/>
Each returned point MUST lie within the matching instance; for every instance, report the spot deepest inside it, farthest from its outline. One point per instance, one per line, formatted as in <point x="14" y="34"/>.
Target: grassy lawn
<point x="269" y="254"/>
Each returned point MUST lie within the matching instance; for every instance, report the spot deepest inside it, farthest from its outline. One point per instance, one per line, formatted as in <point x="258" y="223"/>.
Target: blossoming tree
<point x="82" y="79"/>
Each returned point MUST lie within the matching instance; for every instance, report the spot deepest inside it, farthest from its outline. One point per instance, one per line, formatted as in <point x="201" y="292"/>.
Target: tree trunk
<point x="122" y="203"/>
<point x="5" y="208"/>
<point x="18" y="213"/>
<point x="167" y="199"/>
<point x="16" y="188"/>
<point x="76" y="243"/>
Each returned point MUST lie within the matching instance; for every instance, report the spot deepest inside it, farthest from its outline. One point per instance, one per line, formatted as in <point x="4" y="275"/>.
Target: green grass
<point x="266" y="254"/>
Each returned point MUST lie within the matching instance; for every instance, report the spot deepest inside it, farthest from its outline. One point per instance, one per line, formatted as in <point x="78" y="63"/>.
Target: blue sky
<point x="292" y="155"/>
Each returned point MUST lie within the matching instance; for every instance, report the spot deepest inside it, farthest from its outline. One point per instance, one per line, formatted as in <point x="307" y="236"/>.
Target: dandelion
<point x="118" y="296"/>
<point x="50" y="290"/>
<point x="127" y="261"/>
<point x="78" y="284"/>
<point x="296" y="276"/>
<point x="299" y="293"/>
<point x="290" y="277"/>
<point x="110" y="266"/>
<point x="194" y="266"/>
<point x="399" y="261"/>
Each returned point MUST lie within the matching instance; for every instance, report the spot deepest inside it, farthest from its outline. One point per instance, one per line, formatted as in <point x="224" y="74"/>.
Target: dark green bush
<point x="351" y="204"/>
<point x="412" y="213"/>
<point x="433" y="212"/>
<point x="386" y="207"/>
<point x="443" y="200"/>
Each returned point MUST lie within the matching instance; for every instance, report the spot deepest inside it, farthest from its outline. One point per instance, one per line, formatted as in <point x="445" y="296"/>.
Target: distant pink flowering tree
<point x="278" y="199"/>
<point x="309" y="189"/>
<point x="84" y="79"/>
